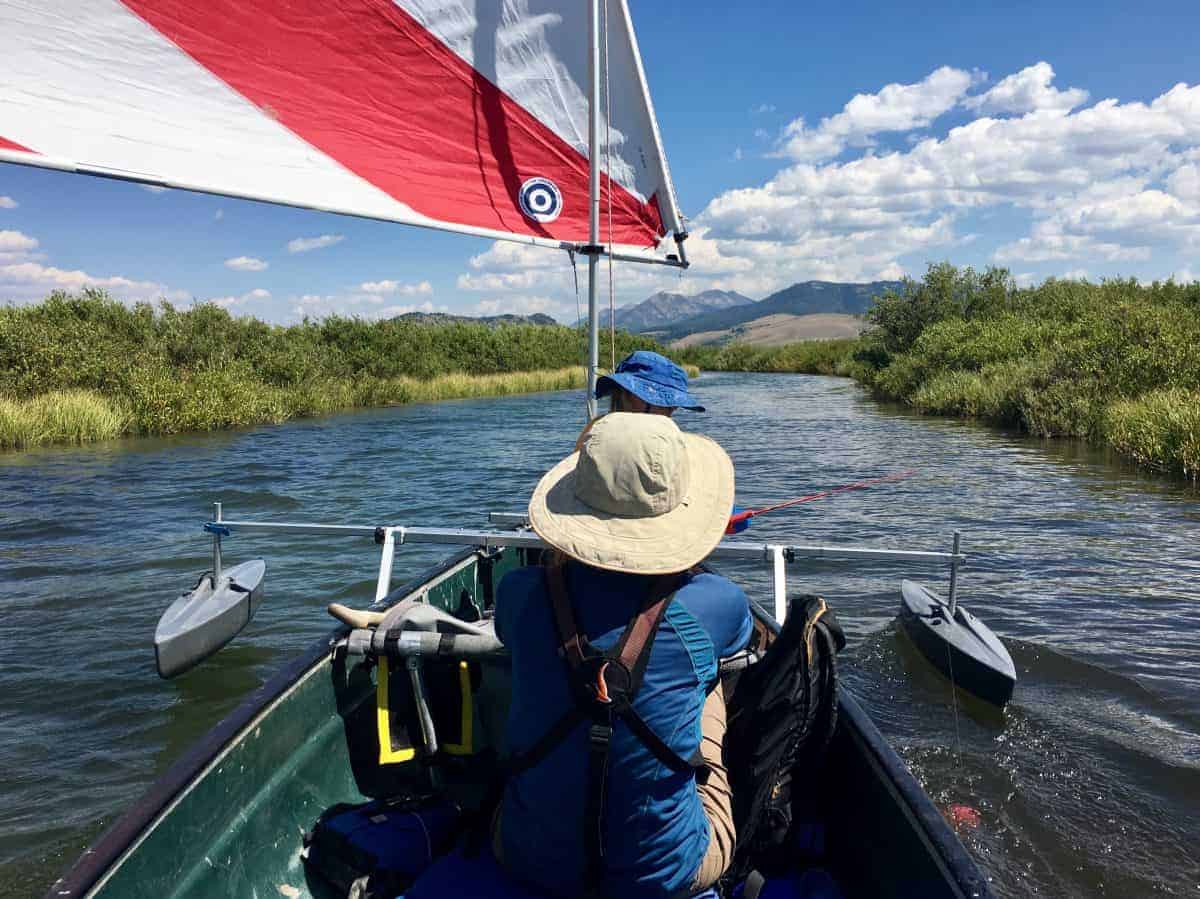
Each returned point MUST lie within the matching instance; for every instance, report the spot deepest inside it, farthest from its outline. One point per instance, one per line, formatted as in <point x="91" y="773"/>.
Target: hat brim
<point x="662" y="544"/>
<point x="647" y="391"/>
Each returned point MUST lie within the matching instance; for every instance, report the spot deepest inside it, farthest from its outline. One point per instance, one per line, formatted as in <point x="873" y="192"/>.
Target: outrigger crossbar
<point x="777" y="555"/>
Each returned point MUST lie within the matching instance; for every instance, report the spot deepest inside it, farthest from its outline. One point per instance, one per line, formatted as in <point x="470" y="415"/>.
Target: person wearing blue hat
<point x="644" y="382"/>
<point x="647" y="382"/>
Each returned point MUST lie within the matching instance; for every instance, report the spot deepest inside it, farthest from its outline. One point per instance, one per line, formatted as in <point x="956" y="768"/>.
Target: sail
<point x="465" y="115"/>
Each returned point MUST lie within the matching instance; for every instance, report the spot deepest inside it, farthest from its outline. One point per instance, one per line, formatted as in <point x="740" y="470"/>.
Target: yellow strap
<point x="383" y="717"/>
<point x="467" y="745"/>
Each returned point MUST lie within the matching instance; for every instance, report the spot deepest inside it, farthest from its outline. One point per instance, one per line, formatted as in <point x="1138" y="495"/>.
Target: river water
<point x="1088" y="786"/>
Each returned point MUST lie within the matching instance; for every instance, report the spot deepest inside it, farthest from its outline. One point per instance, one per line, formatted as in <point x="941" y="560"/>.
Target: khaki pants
<point x="715" y="797"/>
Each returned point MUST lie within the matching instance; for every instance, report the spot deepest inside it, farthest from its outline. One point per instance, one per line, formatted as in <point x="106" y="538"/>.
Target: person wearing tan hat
<point x="616" y="782"/>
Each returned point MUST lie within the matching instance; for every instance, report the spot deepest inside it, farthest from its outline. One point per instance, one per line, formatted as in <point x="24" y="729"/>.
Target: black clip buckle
<point x="599" y="736"/>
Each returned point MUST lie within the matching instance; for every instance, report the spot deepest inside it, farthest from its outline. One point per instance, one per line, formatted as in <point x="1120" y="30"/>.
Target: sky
<point x="849" y="142"/>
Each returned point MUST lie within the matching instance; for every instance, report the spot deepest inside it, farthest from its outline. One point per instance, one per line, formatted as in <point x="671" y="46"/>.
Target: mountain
<point x="805" y="298"/>
<point x="664" y="309"/>
<point x="492" y="321"/>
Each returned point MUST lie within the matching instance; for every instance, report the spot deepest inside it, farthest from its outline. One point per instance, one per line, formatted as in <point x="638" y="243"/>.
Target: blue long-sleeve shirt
<point x="656" y="829"/>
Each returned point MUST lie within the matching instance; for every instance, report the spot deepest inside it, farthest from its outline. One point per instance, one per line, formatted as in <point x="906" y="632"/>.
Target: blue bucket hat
<point x="653" y="379"/>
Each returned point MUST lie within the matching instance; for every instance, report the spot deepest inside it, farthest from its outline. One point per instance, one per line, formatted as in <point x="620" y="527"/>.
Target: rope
<point x="954" y="702"/>
<point x="612" y="301"/>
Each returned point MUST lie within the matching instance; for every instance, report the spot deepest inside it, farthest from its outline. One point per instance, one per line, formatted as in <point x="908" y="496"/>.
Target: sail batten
<point x="414" y="111"/>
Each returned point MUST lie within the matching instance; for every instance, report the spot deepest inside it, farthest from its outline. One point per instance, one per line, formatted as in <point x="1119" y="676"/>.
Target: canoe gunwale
<point x="98" y="859"/>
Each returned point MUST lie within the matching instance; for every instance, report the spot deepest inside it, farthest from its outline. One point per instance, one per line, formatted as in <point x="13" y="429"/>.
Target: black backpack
<point x="781" y="716"/>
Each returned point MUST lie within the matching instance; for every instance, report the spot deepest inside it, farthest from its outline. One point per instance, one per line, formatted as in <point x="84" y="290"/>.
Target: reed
<point x="1160" y="429"/>
<point x="61" y="416"/>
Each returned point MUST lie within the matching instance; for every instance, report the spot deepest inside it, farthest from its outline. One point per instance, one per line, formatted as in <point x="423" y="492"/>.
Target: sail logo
<point x="540" y="200"/>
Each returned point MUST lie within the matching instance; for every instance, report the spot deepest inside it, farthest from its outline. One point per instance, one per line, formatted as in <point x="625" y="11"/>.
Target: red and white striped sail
<point x="468" y="115"/>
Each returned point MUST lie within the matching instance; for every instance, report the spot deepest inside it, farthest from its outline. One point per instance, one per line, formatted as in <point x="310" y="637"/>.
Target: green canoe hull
<point x="228" y="818"/>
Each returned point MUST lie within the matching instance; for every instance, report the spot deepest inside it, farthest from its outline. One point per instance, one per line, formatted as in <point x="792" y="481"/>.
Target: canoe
<point x="228" y="818"/>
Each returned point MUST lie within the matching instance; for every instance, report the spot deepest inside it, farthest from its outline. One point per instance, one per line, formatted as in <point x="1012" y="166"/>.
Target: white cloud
<point x="524" y="305"/>
<point x="737" y="154"/>
<point x="246" y="264"/>
<point x="15" y="246"/>
<point x="33" y="281"/>
<point x="258" y="293"/>
<point x="1114" y="183"/>
<point x="762" y="109"/>
<point x="218" y="215"/>
<point x="8" y="203"/>
<point x="1028" y="90"/>
<point x="897" y="107"/>
<point x="357" y="304"/>
<point x="155" y="188"/>
<point x="306" y="244"/>
<point x="1185" y="276"/>
<point x="390" y="287"/>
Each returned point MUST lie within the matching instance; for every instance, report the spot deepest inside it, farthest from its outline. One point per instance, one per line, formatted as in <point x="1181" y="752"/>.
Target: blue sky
<point x="843" y="141"/>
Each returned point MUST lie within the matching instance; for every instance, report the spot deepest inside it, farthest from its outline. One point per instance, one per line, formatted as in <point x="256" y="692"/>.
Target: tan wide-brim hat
<point x="640" y="496"/>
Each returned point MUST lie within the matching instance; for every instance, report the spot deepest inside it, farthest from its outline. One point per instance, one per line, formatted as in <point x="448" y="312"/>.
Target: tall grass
<point x="76" y="368"/>
<point x="61" y="416"/>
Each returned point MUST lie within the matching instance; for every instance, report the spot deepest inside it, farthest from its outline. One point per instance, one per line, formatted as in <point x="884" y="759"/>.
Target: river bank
<point x="1116" y="364"/>
<point x="75" y="369"/>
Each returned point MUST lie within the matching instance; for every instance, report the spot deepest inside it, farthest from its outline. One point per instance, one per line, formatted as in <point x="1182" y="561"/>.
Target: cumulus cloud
<point x="307" y="244"/>
<point x="1100" y="187"/>
<point x="359" y="304"/>
<point x="246" y="264"/>
<point x="15" y="246"/>
<point x="259" y="293"/>
<point x="896" y="107"/>
<point x="33" y="281"/>
<point x="390" y="287"/>
<point x="1028" y="90"/>
<point x="7" y="202"/>
<point x="524" y="305"/>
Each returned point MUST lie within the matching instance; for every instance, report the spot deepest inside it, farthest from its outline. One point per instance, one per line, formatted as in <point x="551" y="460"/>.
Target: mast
<point x="593" y="250"/>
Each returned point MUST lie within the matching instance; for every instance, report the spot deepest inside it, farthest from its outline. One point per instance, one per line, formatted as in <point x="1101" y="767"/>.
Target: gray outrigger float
<point x="229" y="818"/>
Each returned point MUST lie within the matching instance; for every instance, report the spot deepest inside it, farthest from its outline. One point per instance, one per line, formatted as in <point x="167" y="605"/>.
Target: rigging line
<point x="954" y="702"/>
<point x="578" y="308"/>
<point x="612" y="301"/>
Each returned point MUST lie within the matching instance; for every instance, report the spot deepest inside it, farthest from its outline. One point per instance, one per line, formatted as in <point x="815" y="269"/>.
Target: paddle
<point x="356" y="618"/>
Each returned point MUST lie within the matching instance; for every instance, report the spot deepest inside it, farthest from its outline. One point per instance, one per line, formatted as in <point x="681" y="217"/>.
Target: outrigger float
<point x="230" y="817"/>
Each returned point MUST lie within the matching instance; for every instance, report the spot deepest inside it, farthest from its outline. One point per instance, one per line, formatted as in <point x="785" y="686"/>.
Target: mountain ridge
<point x="664" y="308"/>
<point x="802" y="298"/>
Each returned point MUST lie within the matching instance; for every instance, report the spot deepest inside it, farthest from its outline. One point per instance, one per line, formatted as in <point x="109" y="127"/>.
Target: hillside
<point x="779" y="329"/>
<point x="664" y="309"/>
<point x="805" y="298"/>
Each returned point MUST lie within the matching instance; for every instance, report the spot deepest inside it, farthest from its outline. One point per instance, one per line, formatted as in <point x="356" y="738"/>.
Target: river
<point x="1088" y="786"/>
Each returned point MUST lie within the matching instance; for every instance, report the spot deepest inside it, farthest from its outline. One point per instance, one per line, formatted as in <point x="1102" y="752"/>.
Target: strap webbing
<point x="632" y="653"/>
